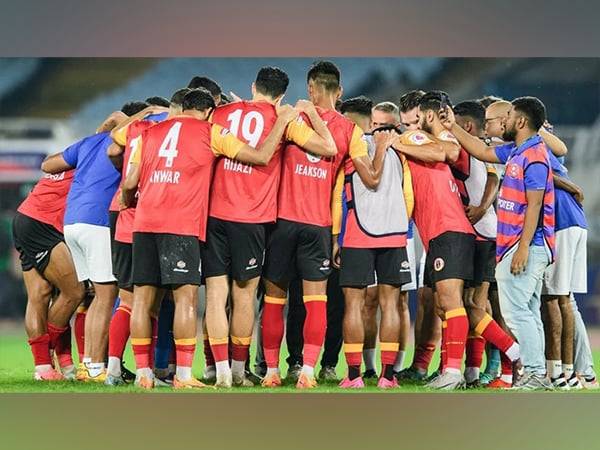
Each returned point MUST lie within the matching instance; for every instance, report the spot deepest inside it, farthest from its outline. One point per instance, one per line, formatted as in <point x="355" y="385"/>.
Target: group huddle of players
<point x="249" y="195"/>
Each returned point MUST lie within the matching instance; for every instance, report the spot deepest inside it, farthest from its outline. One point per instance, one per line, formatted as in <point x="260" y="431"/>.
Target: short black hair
<point x="326" y="74"/>
<point x="533" y="109"/>
<point x="199" y="99"/>
<point x="432" y="100"/>
<point x="271" y="81"/>
<point x="131" y="108"/>
<point x="357" y="105"/>
<point x="177" y="97"/>
<point x="472" y="109"/>
<point x="206" y="83"/>
<point x="487" y="100"/>
<point x="158" y="101"/>
<point x="410" y="100"/>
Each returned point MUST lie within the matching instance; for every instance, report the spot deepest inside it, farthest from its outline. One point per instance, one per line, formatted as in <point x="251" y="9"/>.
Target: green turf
<point x="16" y="376"/>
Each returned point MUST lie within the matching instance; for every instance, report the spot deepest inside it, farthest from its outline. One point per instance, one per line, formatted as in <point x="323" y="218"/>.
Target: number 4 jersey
<point x="176" y="160"/>
<point x="242" y="192"/>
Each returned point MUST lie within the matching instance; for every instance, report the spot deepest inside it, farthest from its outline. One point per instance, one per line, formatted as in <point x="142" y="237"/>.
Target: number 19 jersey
<point x="176" y="160"/>
<point x="242" y="192"/>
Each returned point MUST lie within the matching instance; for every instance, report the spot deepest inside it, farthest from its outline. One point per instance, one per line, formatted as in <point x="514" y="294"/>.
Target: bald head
<point x="495" y="114"/>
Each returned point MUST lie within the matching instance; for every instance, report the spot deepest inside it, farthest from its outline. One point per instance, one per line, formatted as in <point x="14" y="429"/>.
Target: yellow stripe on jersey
<point x="415" y="137"/>
<point x="224" y="143"/>
<point x="336" y="203"/>
<point x="407" y="188"/>
<point x="299" y="132"/>
<point x="120" y="136"/>
<point x="358" y="144"/>
<point x="136" y="153"/>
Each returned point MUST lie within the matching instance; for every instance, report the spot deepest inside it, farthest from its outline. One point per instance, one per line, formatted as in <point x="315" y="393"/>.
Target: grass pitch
<point x="16" y="372"/>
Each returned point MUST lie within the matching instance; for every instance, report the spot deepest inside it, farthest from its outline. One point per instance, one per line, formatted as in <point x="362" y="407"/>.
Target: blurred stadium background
<point x="46" y="104"/>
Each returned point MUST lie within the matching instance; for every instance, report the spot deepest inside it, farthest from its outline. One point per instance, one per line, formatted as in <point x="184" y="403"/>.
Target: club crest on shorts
<point x="252" y="262"/>
<point x="405" y="265"/>
<point x="325" y="265"/>
<point x="438" y="264"/>
<point x="313" y="158"/>
<point x="181" y="264"/>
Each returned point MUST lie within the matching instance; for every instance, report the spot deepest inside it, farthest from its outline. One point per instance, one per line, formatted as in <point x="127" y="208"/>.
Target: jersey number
<point x="132" y="145"/>
<point x="252" y="125"/>
<point x="168" y="148"/>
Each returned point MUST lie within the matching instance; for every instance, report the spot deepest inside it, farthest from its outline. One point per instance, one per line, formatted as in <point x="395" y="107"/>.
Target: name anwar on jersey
<point x="165" y="176"/>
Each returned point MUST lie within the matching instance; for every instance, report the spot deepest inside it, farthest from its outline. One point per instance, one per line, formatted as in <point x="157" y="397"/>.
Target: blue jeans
<point x="520" y="302"/>
<point x="584" y="361"/>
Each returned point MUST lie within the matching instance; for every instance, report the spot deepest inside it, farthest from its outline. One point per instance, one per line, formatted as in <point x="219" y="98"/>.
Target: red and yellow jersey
<point x="242" y="192"/>
<point x="127" y="137"/>
<point x="307" y="180"/>
<point x="438" y="207"/>
<point x="176" y="160"/>
<point x="47" y="200"/>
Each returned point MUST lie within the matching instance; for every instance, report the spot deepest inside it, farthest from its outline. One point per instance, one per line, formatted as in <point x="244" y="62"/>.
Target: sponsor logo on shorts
<point x="252" y="264"/>
<point x="181" y="267"/>
<point x="40" y="256"/>
<point x="325" y="265"/>
<point x="438" y="264"/>
<point x="405" y="266"/>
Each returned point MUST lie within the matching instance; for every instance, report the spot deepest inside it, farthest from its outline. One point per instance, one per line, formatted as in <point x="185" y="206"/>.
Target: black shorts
<point x="359" y="266"/>
<point x="484" y="263"/>
<point x="298" y="249"/>
<point x="34" y="240"/>
<point x="233" y="248"/>
<point x="450" y="256"/>
<point x="122" y="257"/>
<point x="162" y="259"/>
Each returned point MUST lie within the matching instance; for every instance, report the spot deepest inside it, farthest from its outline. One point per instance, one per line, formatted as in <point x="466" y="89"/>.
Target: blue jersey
<point x="567" y="211"/>
<point x="95" y="182"/>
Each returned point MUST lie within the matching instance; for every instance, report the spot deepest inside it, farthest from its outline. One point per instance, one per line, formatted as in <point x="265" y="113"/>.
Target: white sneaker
<point x="574" y="383"/>
<point x="224" y="380"/>
<point x="589" y="383"/>
<point x="560" y="382"/>
<point x="447" y="381"/>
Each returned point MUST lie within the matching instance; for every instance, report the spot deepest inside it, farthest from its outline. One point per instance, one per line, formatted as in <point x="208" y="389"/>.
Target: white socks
<point x="274" y="371"/>
<point x="568" y="370"/>
<point x="183" y="373"/>
<point x="369" y="355"/>
<point x="471" y="374"/>
<point x="145" y="372"/>
<point x="554" y="368"/>
<point x="399" y="361"/>
<point x="223" y="368"/>
<point x="114" y="366"/>
<point x="308" y="371"/>
<point x="513" y="352"/>
<point x="238" y="368"/>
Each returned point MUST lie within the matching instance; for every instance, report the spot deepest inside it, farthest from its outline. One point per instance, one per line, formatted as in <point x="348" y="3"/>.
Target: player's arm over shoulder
<point x="318" y="141"/>
<point x="419" y="145"/>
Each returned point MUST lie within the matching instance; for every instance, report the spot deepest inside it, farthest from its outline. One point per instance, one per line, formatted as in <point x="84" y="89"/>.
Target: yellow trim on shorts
<point x="353" y="348"/>
<point x="241" y="340"/>
<point x="185" y="341"/>
<point x="458" y="312"/>
<point x="314" y="298"/>
<point x="389" y="346"/>
<point x="481" y="326"/>
<point x="275" y="300"/>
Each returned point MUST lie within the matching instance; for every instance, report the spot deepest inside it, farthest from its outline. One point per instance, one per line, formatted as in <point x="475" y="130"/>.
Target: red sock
<point x="315" y="326"/>
<point x="456" y="337"/>
<point x="60" y="341"/>
<point x="389" y="352"/>
<point x="209" y="360"/>
<point x="154" y="324"/>
<point x="185" y="349"/>
<point x="443" y="349"/>
<point x="40" y="349"/>
<point x="141" y="351"/>
<point x="118" y="332"/>
<point x="79" y="327"/>
<point x="491" y="331"/>
<point x="423" y="356"/>
<point x="474" y="349"/>
<point x="272" y="329"/>
<point x="220" y="348"/>
<point x="353" y="354"/>
<point x="506" y="365"/>
<point x="240" y="348"/>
